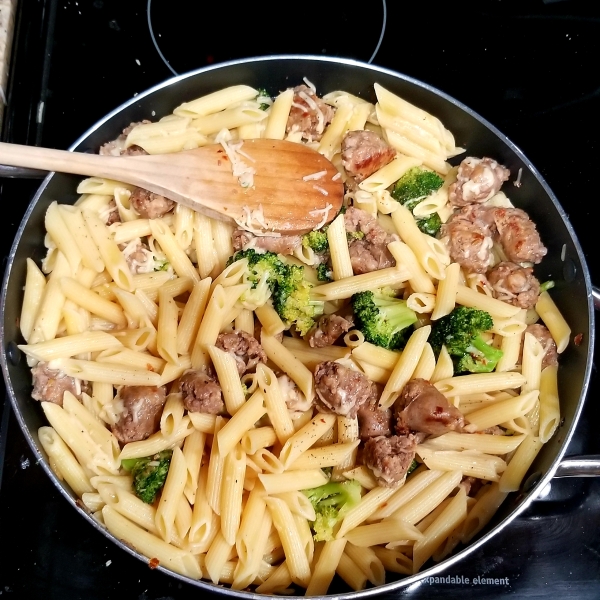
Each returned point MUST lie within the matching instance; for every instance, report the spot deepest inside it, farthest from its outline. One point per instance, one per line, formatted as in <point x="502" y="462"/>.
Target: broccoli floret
<point x="265" y="270"/>
<point x="415" y="185"/>
<point x="284" y="284"/>
<point x="262" y="94"/>
<point x="461" y="332"/>
<point x="546" y="285"/>
<point x="292" y="301"/>
<point x="430" y="225"/>
<point x="354" y="235"/>
<point x="149" y="474"/>
<point x="324" y="273"/>
<point x="382" y="318"/>
<point x="317" y="240"/>
<point x="413" y="465"/>
<point x="412" y="188"/>
<point x="331" y="502"/>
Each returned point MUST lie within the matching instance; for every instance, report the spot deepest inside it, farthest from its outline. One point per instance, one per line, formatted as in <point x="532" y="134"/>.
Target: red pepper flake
<point x="578" y="339"/>
<point x="153" y="563"/>
<point x="383" y="505"/>
<point x="322" y="420"/>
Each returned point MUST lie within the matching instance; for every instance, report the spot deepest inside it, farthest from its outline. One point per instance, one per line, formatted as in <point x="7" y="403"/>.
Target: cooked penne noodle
<point x="232" y="487"/>
<point x="305" y="437"/>
<point x="549" y="417"/>
<point x="349" y="571"/>
<point x="404" y="368"/>
<point x="445" y="299"/>
<point x="553" y="319"/>
<point x="241" y="422"/>
<point x="472" y="463"/>
<point x="368" y="504"/>
<point x="295" y="556"/>
<point x="519" y="464"/>
<point x="479" y="382"/>
<point x="452" y="515"/>
<point x="325" y="567"/>
<point x="344" y="288"/>
<point x="278" y="116"/>
<point x="502" y="411"/>
<point x="338" y="247"/>
<point x="169" y="556"/>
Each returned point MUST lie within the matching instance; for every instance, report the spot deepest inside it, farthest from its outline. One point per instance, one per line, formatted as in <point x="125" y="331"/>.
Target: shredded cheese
<point x="254" y="222"/>
<point x="321" y="211"/>
<point x="313" y="176"/>
<point x="244" y="172"/>
<point x="517" y="181"/>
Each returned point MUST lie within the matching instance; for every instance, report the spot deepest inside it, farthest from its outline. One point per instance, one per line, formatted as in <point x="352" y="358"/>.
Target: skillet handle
<point x="579" y="466"/>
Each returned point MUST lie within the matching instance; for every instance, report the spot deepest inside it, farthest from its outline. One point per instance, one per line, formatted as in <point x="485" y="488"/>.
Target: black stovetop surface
<point x="529" y="67"/>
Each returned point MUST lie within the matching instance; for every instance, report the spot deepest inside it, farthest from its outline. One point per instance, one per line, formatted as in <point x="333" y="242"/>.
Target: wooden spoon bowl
<point x="292" y="189"/>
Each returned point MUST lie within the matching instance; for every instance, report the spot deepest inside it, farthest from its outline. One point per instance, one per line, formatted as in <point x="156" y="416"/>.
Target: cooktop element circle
<point x="187" y="39"/>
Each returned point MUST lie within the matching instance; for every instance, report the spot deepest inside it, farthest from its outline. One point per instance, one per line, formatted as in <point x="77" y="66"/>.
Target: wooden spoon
<point x="294" y="188"/>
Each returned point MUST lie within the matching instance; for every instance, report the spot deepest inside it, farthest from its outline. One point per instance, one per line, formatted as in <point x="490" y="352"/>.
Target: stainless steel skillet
<point x="565" y="263"/>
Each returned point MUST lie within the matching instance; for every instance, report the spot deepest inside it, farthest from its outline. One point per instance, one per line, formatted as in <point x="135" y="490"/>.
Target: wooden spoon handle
<point x="49" y="159"/>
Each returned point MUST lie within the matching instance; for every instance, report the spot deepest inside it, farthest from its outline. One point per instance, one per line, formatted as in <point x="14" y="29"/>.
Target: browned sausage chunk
<point x="141" y="411"/>
<point x="374" y="421"/>
<point x="201" y="392"/>
<point x="363" y="153"/>
<point x="327" y="330"/>
<point x="150" y="205"/>
<point x="519" y="236"/>
<point x="116" y="147"/>
<point x="478" y="180"/>
<point x="368" y="252"/>
<point x="514" y="284"/>
<point x="309" y="114"/>
<point x="49" y="385"/>
<point x="245" y="348"/>
<point x="422" y="407"/>
<point x="389" y="457"/>
<point x="468" y="235"/>
<point x="339" y="389"/>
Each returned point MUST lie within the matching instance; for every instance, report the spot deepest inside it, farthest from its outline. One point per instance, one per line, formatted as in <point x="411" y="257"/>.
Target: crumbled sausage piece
<point x="340" y="389"/>
<point x="478" y="179"/>
<point x="518" y="236"/>
<point x="201" y="392"/>
<point x="469" y="237"/>
<point x="140" y="412"/>
<point x="49" y="385"/>
<point x="389" y="457"/>
<point x="422" y="407"/>
<point x="309" y="114"/>
<point x="244" y="347"/>
<point x="150" y="205"/>
<point x="373" y="420"/>
<point x="369" y="253"/>
<point x="514" y="284"/>
<point x="327" y="330"/>
<point x="364" y="153"/>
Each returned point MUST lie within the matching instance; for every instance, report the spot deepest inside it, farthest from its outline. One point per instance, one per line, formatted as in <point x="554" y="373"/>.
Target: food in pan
<point x="268" y="411"/>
